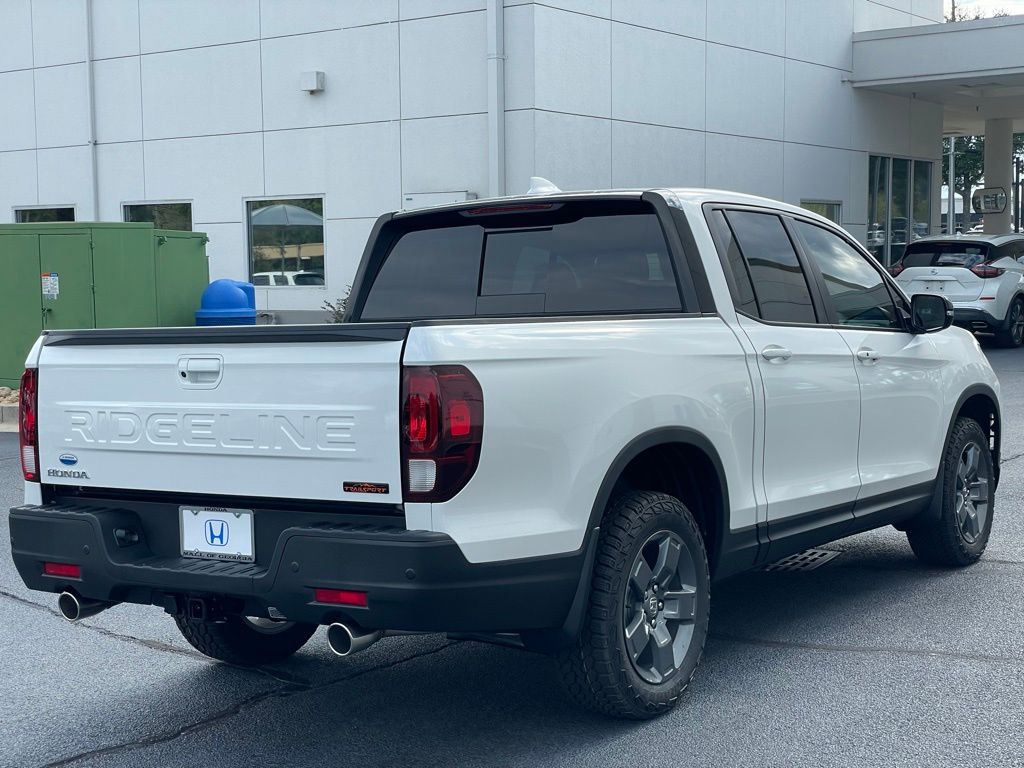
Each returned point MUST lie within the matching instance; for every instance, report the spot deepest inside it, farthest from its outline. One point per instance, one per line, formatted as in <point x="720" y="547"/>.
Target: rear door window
<point x="778" y="280"/>
<point x="560" y="264"/>
<point x="964" y="255"/>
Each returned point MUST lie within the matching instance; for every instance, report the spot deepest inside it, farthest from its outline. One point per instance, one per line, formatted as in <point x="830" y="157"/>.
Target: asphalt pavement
<point x="870" y="660"/>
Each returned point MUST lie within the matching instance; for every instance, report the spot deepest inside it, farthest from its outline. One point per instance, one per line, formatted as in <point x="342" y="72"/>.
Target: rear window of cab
<point x="557" y="258"/>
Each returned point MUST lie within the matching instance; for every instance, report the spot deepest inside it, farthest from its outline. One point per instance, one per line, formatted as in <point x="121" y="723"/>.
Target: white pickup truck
<point x="554" y="418"/>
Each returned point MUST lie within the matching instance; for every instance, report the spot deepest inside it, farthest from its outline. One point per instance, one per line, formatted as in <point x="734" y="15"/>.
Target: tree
<point x="959" y="13"/>
<point x="970" y="164"/>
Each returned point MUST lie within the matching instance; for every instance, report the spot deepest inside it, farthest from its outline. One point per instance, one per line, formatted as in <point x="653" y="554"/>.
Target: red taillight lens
<point x="895" y="269"/>
<point x="28" y="424"/>
<point x="984" y="270"/>
<point x="442" y="429"/>
<point x="67" y="570"/>
<point x="341" y="597"/>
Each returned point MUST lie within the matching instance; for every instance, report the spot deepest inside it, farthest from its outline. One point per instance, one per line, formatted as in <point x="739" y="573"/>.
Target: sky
<point x="1012" y="7"/>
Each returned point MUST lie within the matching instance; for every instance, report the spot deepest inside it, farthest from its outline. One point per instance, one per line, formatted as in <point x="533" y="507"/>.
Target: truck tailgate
<point x="281" y="412"/>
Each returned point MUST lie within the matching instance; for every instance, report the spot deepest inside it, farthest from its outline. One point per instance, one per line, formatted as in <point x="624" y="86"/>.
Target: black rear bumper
<point x="978" y="320"/>
<point x="414" y="580"/>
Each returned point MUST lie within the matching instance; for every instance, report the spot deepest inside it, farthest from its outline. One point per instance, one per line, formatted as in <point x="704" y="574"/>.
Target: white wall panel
<point x="754" y="83"/>
<point x="360" y="77"/>
<point x="443" y="154"/>
<point x="868" y="15"/>
<point x="16" y="36"/>
<point x="572" y="151"/>
<point x="17" y="182"/>
<point x="291" y="17"/>
<point x="226" y="251"/>
<point x="657" y="77"/>
<point x="19" y="127"/>
<point x="418" y="9"/>
<point x="573" y="71"/>
<point x="62" y="105"/>
<point x="759" y="26"/>
<point x="58" y="32"/>
<point x="444" y="65"/>
<point x="899" y="5"/>
<point x="925" y="129"/>
<point x="520" y="150"/>
<point x="65" y="176"/>
<point x="121" y="179"/>
<point x="815" y="173"/>
<point x="115" y="28"/>
<point x="744" y="165"/>
<point x="684" y="17"/>
<point x="601" y="8"/>
<point x="857" y="211"/>
<point x="818" y="105"/>
<point x="519" y="57"/>
<point x="653" y="156"/>
<point x="202" y="91"/>
<point x="355" y="166"/>
<point x="215" y="171"/>
<point x="881" y="123"/>
<point x="820" y="31"/>
<point x="118" y="93"/>
<point x="928" y="9"/>
<point x="167" y="26"/>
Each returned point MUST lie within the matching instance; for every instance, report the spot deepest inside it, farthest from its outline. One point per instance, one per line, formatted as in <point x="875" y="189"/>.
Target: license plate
<point x="217" y="533"/>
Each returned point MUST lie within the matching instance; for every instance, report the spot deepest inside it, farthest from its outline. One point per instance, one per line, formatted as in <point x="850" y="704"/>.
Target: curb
<point x="8" y="414"/>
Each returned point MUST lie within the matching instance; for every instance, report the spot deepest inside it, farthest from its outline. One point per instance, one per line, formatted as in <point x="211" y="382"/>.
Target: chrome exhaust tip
<point x="344" y="640"/>
<point x="75" y="608"/>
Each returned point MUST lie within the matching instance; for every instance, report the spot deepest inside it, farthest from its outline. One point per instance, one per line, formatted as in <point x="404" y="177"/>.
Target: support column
<point x="999" y="171"/>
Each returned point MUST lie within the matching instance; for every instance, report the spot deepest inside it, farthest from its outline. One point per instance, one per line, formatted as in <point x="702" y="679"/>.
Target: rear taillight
<point x="442" y="429"/>
<point x="984" y="270"/>
<point x="28" y="424"/>
<point x="896" y="268"/>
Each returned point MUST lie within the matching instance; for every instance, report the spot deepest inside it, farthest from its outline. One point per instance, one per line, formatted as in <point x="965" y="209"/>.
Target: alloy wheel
<point x="972" y="493"/>
<point x="1017" y="323"/>
<point x="659" y="607"/>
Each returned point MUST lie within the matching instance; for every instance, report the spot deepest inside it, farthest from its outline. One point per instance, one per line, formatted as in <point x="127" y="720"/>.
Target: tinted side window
<point x="858" y="292"/>
<point x="776" y="275"/>
<point x="736" y="272"/>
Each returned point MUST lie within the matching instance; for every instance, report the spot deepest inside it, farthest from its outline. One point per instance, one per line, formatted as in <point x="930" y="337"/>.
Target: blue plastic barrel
<point x="227" y="302"/>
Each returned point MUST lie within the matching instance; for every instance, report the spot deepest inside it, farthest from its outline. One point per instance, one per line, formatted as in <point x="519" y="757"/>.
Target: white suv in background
<point x="983" y="275"/>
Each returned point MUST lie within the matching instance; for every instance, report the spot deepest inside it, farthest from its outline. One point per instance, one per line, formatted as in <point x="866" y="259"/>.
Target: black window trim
<point x="692" y="294"/>
<point x="822" y="308"/>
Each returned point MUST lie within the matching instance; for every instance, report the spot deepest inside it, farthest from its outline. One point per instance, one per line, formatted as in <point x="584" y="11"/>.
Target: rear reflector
<point x="67" y="570"/>
<point x="341" y="597"/>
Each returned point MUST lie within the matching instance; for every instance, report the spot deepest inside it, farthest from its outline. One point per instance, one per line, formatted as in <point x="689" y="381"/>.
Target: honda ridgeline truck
<point x="555" y="418"/>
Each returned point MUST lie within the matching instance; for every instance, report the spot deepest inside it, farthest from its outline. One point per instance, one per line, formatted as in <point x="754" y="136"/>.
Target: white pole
<point x="951" y="199"/>
<point x="496" y="97"/>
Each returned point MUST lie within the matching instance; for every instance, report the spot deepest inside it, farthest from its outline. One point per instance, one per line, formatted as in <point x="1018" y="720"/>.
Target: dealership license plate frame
<point x="239" y="526"/>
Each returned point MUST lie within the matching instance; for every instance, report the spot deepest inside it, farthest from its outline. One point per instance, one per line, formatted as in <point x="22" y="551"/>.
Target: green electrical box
<point x="91" y="275"/>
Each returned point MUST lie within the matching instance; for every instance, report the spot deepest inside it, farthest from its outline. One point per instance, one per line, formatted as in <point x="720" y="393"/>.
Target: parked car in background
<point x="287" y="278"/>
<point x="983" y="275"/>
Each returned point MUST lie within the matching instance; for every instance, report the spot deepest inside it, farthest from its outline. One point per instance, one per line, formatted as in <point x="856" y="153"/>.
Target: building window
<point x="830" y="209"/>
<point x="899" y="205"/>
<point x="286" y="241"/>
<point x="161" y="215"/>
<point x="40" y="215"/>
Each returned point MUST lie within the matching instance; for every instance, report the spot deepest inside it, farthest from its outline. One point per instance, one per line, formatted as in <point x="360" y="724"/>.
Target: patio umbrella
<point x="282" y="216"/>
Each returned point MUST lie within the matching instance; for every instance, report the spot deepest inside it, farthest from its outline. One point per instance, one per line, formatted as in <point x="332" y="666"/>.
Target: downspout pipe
<point x="496" y="97"/>
<point x="91" y="90"/>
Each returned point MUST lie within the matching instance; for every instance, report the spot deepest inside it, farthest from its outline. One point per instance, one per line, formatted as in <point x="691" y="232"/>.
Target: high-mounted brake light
<point x="491" y="210"/>
<point x="442" y="429"/>
<point x="28" y="424"/>
<point x="986" y="271"/>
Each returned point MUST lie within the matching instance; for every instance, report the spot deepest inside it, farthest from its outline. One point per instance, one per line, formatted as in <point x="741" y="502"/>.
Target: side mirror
<point x="930" y="312"/>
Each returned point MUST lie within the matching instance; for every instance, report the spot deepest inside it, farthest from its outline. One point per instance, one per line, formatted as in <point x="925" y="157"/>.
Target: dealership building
<point x="282" y="128"/>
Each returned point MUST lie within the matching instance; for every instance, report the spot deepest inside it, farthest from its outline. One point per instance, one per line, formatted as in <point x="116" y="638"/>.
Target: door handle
<point x="867" y="356"/>
<point x="776" y="354"/>
<point x="200" y="372"/>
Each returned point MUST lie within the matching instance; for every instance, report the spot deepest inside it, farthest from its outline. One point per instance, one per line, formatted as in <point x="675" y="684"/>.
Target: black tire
<point x="599" y="671"/>
<point x="239" y="640"/>
<point x="960" y="534"/>
<point x="1013" y="334"/>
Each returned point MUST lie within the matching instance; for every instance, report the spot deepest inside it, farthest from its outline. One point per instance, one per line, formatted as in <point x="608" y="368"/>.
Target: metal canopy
<point x="975" y="69"/>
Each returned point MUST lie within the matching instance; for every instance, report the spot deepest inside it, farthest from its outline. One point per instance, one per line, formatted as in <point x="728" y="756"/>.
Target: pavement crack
<point x="867" y="649"/>
<point x="1008" y="459"/>
<point x="292" y="688"/>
